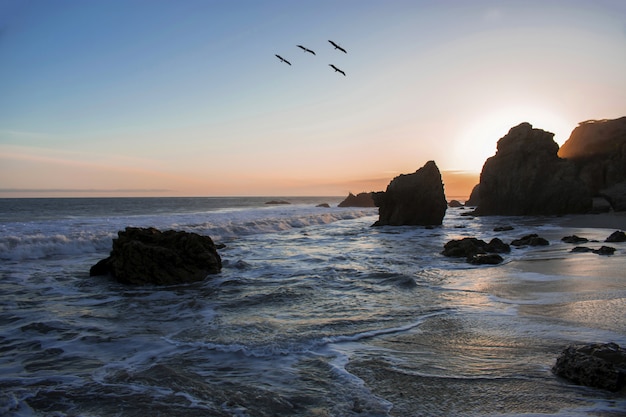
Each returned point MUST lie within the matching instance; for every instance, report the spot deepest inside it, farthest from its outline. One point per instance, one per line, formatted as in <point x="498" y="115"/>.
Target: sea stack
<point x="414" y="199"/>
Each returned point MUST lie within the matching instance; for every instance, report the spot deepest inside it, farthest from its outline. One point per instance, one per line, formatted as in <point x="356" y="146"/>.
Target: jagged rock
<point x="470" y="248"/>
<point x="455" y="204"/>
<point x="595" y="365"/>
<point x="617" y="236"/>
<point x="149" y="256"/>
<point x="530" y="240"/>
<point x="359" y="200"/>
<point x="598" y="150"/>
<point x="574" y="239"/>
<point x="414" y="199"/>
<point x="526" y="177"/>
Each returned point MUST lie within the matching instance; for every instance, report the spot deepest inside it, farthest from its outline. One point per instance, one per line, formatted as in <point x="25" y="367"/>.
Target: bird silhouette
<point x="337" y="69"/>
<point x="337" y="47"/>
<point x="283" y="59"/>
<point x="305" y="49"/>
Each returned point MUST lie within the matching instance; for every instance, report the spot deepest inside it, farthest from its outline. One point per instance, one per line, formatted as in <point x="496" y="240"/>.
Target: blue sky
<point x="187" y="97"/>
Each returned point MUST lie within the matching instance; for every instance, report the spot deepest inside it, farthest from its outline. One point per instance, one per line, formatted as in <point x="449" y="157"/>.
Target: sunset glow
<point x="187" y="98"/>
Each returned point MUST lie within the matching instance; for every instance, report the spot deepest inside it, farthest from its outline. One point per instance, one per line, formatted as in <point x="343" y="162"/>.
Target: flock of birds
<point x="312" y="52"/>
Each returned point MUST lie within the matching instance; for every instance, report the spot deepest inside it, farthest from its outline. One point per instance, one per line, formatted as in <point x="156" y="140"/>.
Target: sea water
<point x="315" y="313"/>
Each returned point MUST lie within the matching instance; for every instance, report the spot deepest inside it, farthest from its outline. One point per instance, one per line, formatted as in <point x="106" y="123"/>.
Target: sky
<point x="187" y="98"/>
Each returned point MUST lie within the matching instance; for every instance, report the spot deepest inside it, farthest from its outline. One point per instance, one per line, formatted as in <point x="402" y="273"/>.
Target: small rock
<point x="530" y="240"/>
<point x="617" y="236"/>
<point x="605" y="250"/>
<point x="486" y="259"/>
<point x="574" y="239"/>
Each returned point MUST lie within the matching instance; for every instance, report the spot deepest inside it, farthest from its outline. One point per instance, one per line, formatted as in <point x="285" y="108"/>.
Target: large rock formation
<point x="149" y="256"/>
<point x="413" y="199"/>
<point x="598" y="150"/>
<point x="526" y="177"/>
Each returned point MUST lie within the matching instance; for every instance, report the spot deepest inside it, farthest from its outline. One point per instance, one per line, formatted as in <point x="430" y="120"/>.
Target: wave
<point x="39" y="240"/>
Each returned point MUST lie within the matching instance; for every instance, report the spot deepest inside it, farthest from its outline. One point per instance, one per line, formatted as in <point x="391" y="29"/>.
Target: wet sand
<point x="612" y="220"/>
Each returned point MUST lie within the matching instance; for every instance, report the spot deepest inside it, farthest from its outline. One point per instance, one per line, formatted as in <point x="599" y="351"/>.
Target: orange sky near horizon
<point x="125" y="98"/>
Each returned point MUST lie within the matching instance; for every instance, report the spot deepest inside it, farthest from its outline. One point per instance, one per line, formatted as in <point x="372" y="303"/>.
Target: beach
<point x="315" y="313"/>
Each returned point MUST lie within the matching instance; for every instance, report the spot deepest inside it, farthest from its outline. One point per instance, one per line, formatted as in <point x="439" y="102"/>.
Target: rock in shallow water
<point x="596" y="365"/>
<point x="149" y="256"/>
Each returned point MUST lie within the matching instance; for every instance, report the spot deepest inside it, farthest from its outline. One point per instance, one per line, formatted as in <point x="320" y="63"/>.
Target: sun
<point x="478" y="140"/>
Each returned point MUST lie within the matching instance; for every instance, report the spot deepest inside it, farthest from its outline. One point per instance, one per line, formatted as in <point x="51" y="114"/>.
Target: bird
<point x="337" y="47"/>
<point x="305" y="49"/>
<point x="283" y="59"/>
<point x="337" y="69"/>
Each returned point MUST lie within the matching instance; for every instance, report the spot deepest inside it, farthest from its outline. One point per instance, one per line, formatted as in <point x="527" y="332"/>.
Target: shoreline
<point x="612" y="220"/>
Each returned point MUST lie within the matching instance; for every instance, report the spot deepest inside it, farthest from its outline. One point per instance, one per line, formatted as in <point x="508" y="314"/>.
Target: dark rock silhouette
<point x="616" y="236"/>
<point x="526" y="177"/>
<point x="359" y="200"/>
<point x="455" y="204"/>
<point x="530" y="240"/>
<point x="598" y="150"/>
<point x="149" y="256"/>
<point x="474" y="198"/>
<point x="596" y="365"/>
<point x="413" y="199"/>
<point x="470" y="247"/>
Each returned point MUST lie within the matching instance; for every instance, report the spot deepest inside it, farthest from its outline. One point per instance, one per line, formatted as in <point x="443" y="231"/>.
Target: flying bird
<point x="337" y="47"/>
<point x="305" y="49"/>
<point x="337" y="69"/>
<point x="283" y="59"/>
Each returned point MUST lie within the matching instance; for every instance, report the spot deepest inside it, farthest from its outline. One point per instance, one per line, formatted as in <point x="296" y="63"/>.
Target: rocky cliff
<point x="597" y="149"/>
<point x="526" y="177"/>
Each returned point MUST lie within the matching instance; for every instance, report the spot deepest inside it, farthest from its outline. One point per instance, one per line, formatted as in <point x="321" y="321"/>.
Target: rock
<point x="595" y="365"/>
<point x="605" y="250"/>
<point x="474" y="199"/>
<point x="615" y="196"/>
<point x="455" y="204"/>
<point x="276" y="202"/>
<point x="598" y="150"/>
<point x="503" y="228"/>
<point x="359" y="200"/>
<point x="149" y="256"/>
<point x="617" y="236"/>
<point x="530" y="240"/>
<point x="574" y="239"/>
<point x="486" y="259"/>
<point x="324" y="205"/>
<point x="600" y="205"/>
<point x="581" y="249"/>
<point x="414" y="199"/>
<point x="470" y="248"/>
<point x="526" y="177"/>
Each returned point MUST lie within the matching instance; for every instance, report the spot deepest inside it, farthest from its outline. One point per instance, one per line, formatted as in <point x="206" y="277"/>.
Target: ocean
<point x="315" y="313"/>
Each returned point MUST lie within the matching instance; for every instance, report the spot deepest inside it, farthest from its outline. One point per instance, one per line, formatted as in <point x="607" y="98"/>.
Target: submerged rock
<point x="574" y="239"/>
<point x="596" y="365"/>
<point x="149" y="256"/>
<point x="530" y="240"/>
